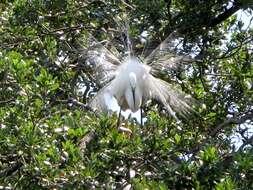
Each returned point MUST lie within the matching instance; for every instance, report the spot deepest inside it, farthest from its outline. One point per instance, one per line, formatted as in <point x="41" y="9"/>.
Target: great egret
<point x="132" y="82"/>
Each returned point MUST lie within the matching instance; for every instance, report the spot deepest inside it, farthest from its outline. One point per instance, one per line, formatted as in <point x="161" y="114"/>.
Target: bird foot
<point x="126" y="131"/>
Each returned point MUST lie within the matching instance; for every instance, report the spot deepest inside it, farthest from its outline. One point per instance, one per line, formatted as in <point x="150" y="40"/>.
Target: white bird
<point x="132" y="82"/>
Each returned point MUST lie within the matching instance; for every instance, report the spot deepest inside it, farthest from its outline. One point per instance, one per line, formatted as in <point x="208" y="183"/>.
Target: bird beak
<point x="133" y="92"/>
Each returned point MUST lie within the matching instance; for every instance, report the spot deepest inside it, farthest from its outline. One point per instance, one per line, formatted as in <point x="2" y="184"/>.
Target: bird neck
<point x="132" y="80"/>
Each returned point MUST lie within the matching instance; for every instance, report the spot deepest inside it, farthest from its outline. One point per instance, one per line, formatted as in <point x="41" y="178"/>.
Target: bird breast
<point x="127" y="95"/>
<point x="133" y="98"/>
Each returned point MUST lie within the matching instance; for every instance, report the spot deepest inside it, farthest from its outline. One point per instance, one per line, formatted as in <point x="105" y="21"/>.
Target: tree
<point x="51" y="139"/>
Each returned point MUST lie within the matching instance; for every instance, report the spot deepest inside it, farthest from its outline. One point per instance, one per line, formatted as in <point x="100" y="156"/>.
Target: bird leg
<point x="121" y="128"/>
<point x="118" y="121"/>
<point x="141" y="116"/>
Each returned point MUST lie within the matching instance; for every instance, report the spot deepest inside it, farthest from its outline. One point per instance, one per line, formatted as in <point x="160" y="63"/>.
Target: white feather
<point x="132" y="83"/>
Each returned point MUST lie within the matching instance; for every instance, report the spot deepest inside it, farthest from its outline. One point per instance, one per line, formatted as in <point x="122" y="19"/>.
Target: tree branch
<point x="247" y="142"/>
<point x="7" y="101"/>
<point x="233" y="120"/>
<point x="168" y="4"/>
<point x="223" y="16"/>
<point x="8" y="171"/>
<point x="214" y="132"/>
<point x="87" y="139"/>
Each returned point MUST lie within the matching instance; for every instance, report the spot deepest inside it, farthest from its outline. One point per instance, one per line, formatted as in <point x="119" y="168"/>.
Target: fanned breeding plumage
<point x="165" y="56"/>
<point x="104" y="62"/>
<point x="132" y="82"/>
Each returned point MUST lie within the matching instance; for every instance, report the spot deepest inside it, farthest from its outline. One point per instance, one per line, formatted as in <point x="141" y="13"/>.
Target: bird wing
<point x="173" y="99"/>
<point x="104" y="62"/>
<point x="165" y="57"/>
<point x="98" y="102"/>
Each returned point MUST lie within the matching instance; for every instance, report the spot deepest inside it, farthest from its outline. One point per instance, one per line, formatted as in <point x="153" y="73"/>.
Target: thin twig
<point x="10" y="170"/>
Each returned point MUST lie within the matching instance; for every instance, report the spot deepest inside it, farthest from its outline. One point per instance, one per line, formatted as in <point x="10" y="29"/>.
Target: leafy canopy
<point x="50" y="139"/>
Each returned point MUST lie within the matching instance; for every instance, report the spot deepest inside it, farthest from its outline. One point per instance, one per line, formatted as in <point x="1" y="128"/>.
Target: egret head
<point x="132" y="80"/>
